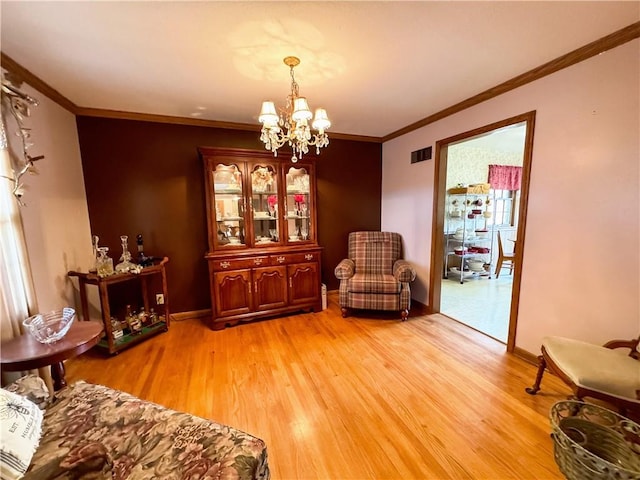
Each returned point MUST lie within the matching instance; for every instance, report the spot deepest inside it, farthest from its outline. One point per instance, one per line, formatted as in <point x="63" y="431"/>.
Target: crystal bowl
<point x="50" y="327"/>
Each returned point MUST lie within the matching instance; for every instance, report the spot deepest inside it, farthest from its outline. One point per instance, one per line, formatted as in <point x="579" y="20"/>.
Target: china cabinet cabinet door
<point x="228" y="206"/>
<point x="265" y="206"/>
<point x="270" y="287"/>
<point x="233" y="294"/>
<point x="303" y="283"/>
<point x="299" y="202"/>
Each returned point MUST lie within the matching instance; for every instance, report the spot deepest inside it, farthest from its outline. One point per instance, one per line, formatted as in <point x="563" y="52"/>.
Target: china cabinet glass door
<point x="299" y="208"/>
<point x="264" y="203"/>
<point x="229" y="206"/>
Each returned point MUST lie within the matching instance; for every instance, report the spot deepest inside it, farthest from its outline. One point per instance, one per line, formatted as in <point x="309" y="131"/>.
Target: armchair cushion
<point x="593" y="367"/>
<point x="373" y="283"/>
<point x="374" y="252"/>
<point x="345" y="269"/>
<point x="403" y="271"/>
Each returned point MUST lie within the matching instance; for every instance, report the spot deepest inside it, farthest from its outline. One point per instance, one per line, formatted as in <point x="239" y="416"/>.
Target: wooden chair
<point x="594" y="371"/>
<point x="509" y="258"/>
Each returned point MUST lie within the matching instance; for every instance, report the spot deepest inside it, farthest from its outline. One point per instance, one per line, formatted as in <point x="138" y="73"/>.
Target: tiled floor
<point x="479" y="302"/>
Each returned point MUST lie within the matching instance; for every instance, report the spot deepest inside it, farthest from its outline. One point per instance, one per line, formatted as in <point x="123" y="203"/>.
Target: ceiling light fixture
<point x="292" y="124"/>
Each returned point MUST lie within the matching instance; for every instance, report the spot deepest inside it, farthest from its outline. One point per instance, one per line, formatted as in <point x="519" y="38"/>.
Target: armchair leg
<point x="345" y="312"/>
<point x="405" y="314"/>
<point x="542" y="364"/>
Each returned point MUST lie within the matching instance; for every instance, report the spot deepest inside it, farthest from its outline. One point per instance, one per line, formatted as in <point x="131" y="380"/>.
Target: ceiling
<point x="375" y="66"/>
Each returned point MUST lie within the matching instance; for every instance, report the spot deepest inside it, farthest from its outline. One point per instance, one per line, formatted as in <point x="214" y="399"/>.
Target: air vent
<point x="421" y="155"/>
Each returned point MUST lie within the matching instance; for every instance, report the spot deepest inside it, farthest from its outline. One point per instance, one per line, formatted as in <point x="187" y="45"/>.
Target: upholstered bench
<point x="92" y="431"/>
<point x="602" y="372"/>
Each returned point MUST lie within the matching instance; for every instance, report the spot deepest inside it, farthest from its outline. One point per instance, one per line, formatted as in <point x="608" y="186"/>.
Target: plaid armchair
<point x="374" y="277"/>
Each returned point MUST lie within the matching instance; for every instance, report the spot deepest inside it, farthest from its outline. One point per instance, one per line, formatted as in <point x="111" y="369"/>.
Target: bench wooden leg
<point x="536" y="386"/>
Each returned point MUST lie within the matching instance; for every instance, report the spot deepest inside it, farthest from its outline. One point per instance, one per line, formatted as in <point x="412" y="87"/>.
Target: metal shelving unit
<point x="468" y="234"/>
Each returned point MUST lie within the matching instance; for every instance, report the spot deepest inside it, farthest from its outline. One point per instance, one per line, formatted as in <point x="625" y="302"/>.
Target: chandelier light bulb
<point x="268" y="114"/>
<point x="291" y="125"/>
<point x="321" y="121"/>
<point x="301" y="110"/>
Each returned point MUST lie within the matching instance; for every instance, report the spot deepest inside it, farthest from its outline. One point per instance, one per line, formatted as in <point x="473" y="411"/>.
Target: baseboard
<point x="525" y="355"/>
<point x="420" y="308"/>
<point x="180" y="316"/>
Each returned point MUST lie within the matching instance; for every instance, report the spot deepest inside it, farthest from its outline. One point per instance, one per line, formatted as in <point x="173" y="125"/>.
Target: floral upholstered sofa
<point x="94" y="432"/>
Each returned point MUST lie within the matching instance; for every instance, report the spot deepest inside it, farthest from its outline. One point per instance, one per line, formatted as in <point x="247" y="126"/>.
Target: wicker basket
<point x="591" y="442"/>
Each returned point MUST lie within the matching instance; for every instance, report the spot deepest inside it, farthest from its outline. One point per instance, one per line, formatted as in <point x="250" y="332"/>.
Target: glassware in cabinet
<point x="264" y="204"/>
<point x="228" y="205"/>
<point x="299" y="205"/>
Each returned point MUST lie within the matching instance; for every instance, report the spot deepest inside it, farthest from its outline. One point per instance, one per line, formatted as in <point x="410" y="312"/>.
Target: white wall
<point x="581" y="266"/>
<point x="56" y="218"/>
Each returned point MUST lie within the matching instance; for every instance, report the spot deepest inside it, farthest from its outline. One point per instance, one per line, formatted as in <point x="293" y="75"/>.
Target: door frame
<point x="437" y="228"/>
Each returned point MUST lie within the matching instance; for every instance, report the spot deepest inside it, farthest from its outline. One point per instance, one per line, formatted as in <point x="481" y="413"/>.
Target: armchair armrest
<point x="345" y="269"/>
<point x="632" y="345"/>
<point x="403" y="271"/>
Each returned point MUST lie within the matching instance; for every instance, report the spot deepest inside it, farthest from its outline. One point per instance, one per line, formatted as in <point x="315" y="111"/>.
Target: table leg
<point x="83" y="299"/>
<point x="57" y="374"/>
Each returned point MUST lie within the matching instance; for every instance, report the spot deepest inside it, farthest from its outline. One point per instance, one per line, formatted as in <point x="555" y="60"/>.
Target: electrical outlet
<point x="159" y="299"/>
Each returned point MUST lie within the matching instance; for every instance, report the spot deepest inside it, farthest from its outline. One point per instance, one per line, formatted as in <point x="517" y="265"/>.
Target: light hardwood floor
<point x="366" y="397"/>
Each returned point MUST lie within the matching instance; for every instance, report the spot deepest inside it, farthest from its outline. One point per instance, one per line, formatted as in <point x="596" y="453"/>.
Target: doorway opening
<point x="480" y="205"/>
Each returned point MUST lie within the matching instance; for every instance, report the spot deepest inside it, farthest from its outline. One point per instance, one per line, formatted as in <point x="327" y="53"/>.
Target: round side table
<point x="26" y="353"/>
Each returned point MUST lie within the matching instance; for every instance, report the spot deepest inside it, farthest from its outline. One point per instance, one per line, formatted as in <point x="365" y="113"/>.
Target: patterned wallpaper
<point x="469" y="165"/>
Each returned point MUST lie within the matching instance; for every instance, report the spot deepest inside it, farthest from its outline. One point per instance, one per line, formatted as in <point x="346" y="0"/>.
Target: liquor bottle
<point x="142" y="258"/>
<point x="143" y="317"/>
<point x="116" y="329"/>
<point x="133" y="321"/>
<point x="127" y="321"/>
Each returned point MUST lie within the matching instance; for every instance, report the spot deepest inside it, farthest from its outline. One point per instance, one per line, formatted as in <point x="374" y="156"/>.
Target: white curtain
<point x="17" y="297"/>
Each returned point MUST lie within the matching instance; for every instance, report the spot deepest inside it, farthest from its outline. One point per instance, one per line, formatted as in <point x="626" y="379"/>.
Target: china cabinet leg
<point x="345" y="312"/>
<point x="405" y="314"/>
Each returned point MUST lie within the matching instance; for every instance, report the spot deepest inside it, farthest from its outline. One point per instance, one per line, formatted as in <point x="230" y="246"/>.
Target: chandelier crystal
<point x="291" y="126"/>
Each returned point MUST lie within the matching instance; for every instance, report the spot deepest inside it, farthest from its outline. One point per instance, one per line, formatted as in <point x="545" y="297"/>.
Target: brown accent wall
<point x="145" y="177"/>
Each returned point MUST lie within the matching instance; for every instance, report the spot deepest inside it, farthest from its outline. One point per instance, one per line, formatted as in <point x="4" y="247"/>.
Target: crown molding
<point x="198" y="122"/>
<point x="36" y="82"/>
<point x="41" y="86"/>
<point x="596" y="47"/>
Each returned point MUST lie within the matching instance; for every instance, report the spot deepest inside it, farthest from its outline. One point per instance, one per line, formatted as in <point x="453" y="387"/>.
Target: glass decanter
<point x="96" y="257"/>
<point x="125" y="260"/>
<point x="104" y="263"/>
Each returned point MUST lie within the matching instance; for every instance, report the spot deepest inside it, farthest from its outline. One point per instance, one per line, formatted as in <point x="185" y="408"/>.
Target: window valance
<point x="505" y="177"/>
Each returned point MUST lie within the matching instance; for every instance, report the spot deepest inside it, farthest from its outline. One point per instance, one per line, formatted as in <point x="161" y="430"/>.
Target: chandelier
<point x="292" y="124"/>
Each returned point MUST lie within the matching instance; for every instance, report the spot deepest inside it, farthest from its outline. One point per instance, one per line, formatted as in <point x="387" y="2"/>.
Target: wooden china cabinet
<point x="264" y="258"/>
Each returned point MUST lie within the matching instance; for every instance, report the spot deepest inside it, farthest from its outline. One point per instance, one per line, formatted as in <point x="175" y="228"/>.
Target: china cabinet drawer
<point x="236" y="264"/>
<point x="288" y="258"/>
